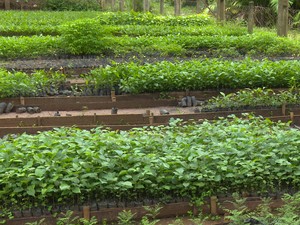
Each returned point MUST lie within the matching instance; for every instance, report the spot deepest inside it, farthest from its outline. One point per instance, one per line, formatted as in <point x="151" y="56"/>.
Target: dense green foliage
<point x="157" y="162"/>
<point x="168" y="76"/>
<point x="122" y="34"/>
<point x="196" y="75"/>
<point x="252" y="98"/>
<point x="14" y="84"/>
<point x="151" y="19"/>
<point x="31" y="47"/>
<point x="169" y="45"/>
<point x="162" y="30"/>
<point x="257" y="44"/>
<point x="40" y="22"/>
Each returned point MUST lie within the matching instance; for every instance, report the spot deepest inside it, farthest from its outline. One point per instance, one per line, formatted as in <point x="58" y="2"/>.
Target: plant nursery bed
<point x="76" y="65"/>
<point x="80" y="103"/>
<point x="70" y="103"/>
<point x="126" y="118"/>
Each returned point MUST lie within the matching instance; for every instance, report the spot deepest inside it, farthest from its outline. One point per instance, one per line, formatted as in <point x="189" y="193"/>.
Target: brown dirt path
<point x="155" y="110"/>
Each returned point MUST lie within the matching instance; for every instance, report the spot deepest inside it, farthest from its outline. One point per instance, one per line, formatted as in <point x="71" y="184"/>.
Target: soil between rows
<point x="90" y="62"/>
<point x="154" y="110"/>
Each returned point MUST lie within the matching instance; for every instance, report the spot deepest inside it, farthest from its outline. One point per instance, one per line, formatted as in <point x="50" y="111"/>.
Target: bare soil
<point x="81" y="62"/>
<point x="154" y="110"/>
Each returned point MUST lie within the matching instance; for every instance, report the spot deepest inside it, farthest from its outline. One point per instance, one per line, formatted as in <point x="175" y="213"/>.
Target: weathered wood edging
<point x="127" y="121"/>
<point x="70" y="103"/>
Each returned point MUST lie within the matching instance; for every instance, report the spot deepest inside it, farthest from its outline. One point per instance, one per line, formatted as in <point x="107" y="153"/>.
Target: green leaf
<point x="76" y="190"/>
<point x="31" y="190"/>
<point x="39" y="172"/>
<point x="64" y="186"/>
<point x="217" y="178"/>
<point x="185" y="184"/>
<point x="125" y="184"/>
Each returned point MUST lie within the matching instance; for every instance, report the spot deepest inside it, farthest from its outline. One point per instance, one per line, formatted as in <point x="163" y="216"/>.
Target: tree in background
<point x="265" y="13"/>
<point x="137" y="5"/>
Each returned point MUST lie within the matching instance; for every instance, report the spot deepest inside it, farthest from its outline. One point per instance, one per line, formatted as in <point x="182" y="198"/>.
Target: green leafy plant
<point x="289" y="212"/>
<point x="67" y="219"/>
<point x="5" y="214"/>
<point x="263" y="212"/>
<point x="40" y="222"/>
<point x="92" y="221"/>
<point x="178" y="221"/>
<point x="126" y="217"/>
<point x="238" y="215"/>
<point x="145" y="221"/>
<point x="198" y="202"/>
<point x="153" y="211"/>
<point x="39" y="83"/>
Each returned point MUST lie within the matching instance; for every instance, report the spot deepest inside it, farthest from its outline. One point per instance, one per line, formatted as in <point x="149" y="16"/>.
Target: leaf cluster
<point x="29" y="47"/>
<point x="38" y="22"/>
<point x="49" y="23"/>
<point x="15" y="84"/>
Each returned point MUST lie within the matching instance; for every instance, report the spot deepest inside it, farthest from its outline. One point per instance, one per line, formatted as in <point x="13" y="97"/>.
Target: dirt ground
<point x="154" y="110"/>
<point x="93" y="62"/>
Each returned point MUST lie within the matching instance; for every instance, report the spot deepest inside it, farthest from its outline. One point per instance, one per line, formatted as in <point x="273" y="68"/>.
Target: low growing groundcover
<point x="72" y="166"/>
